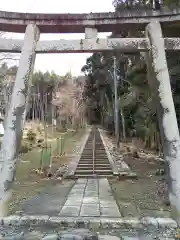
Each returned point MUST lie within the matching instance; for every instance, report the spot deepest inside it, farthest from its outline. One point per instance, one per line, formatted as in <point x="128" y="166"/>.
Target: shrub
<point x="40" y="142"/>
<point x="25" y="147"/>
<point x="31" y="136"/>
<point x="39" y="129"/>
<point x="61" y="129"/>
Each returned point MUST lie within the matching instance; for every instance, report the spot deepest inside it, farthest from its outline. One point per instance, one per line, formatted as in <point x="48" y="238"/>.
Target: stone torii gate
<point x="153" y="45"/>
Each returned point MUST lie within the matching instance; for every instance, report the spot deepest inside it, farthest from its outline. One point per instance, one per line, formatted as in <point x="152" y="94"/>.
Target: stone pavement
<point x="90" y="198"/>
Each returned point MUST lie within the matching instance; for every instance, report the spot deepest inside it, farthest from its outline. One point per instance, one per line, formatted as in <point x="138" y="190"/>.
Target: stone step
<point x="91" y="168"/>
<point x="95" y="165"/>
<point x="99" y="172"/>
<point x="96" y="155"/>
<point x="77" y="175"/>
<point x="96" y="159"/>
<point x="93" y="176"/>
<point x="105" y="160"/>
<point x="89" y="153"/>
<point x="88" y="150"/>
<point x="100" y="153"/>
<point x="91" y="163"/>
<point x="99" y="164"/>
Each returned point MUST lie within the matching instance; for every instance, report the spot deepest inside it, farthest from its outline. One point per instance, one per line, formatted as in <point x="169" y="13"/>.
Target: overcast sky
<point x="60" y="63"/>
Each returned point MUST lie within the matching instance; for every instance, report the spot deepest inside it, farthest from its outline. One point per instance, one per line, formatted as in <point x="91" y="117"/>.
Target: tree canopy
<point x="135" y="99"/>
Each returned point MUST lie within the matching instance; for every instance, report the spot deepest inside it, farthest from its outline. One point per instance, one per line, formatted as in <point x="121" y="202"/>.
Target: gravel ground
<point x="144" y="196"/>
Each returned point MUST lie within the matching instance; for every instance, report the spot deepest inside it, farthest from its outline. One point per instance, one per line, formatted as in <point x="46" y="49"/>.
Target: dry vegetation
<point x="71" y="109"/>
<point x="28" y="183"/>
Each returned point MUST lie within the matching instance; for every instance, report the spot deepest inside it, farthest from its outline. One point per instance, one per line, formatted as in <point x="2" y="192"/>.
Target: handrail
<point x="93" y="149"/>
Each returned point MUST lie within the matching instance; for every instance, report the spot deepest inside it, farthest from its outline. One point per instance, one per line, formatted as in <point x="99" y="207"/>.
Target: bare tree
<point x="6" y="81"/>
<point x="69" y="101"/>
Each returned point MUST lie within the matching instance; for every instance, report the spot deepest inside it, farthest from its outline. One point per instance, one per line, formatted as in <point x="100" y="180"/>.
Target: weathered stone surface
<point x="87" y="197"/>
<point x="132" y="223"/>
<point x="108" y="237"/>
<point x="36" y="235"/>
<point x="112" y="163"/>
<point x="122" y="170"/>
<point x="166" y="222"/>
<point x="87" y="45"/>
<point x="16" y="116"/>
<point x="96" y="223"/>
<point x="91" y="33"/>
<point x="166" y="112"/>
<point x="62" y="23"/>
<point x="68" y="211"/>
<point x="148" y="221"/>
<point x="54" y="221"/>
<point x="109" y="212"/>
<point x="79" y="234"/>
<point x="90" y="210"/>
<point x="73" y="164"/>
<point x="108" y="223"/>
<point x="11" y="220"/>
<point x="51" y="237"/>
<point x="61" y="171"/>
<point x="34" y="220"/>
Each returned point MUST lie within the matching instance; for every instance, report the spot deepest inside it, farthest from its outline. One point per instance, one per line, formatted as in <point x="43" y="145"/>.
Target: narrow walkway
<point x="90" y="198"/>
<point x="94" y="159"/>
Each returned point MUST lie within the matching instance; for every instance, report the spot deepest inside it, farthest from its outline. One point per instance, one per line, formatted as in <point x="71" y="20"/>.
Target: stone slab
<point x="90" y="194"/>
<point x="85" y="198"/>
<point x="110" y="212"/>
<point x="73" y="202"/>
<point x="88" y="222"/>
<point x="90" y="200"/>
<point x="88" y="210"/>
<point x="104" y="203"/>
<point x="70" y="211"/>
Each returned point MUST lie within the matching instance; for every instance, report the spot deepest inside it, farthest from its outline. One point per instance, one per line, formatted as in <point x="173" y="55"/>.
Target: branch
<point x="9" y="58"/>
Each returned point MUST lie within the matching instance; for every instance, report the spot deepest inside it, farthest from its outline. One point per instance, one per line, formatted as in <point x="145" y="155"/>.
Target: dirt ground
<point x="27" y="182"/>
<point x="144" y="196"/>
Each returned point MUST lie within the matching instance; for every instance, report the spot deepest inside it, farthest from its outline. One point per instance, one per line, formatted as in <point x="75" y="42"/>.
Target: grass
<point x="28" y="183"/>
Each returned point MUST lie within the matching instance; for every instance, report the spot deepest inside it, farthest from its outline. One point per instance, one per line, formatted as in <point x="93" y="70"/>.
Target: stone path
<point x="90" y="198"/>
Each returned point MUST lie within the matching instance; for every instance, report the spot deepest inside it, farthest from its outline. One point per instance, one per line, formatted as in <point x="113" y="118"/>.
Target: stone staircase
<point x="100" y="166"/>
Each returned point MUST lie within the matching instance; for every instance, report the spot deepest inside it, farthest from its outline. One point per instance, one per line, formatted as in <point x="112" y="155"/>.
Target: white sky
<point x="60" y="63"/>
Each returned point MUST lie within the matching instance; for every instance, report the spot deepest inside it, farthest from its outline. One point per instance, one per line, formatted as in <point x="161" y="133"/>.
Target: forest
<point x="137" y="110"/>
<point x="51" y="97"/>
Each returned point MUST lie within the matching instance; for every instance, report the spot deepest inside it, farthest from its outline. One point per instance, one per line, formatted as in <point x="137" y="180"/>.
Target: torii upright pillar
<point x="16" y="116"/>
<point x="166" y="113"/>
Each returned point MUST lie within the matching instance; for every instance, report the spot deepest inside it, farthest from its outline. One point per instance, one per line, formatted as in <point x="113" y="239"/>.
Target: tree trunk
<point x="123" y="125"/>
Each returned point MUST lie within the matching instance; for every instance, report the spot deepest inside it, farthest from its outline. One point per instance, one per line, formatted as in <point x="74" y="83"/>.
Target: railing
<point x="93" y="148"/>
